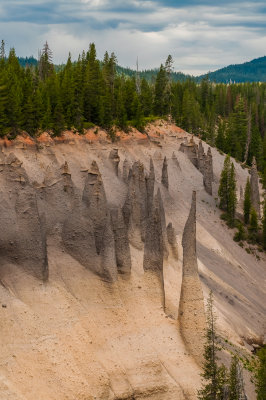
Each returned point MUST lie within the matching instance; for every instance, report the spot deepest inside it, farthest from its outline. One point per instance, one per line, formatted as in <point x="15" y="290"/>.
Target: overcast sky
<point x="201" y="35"/>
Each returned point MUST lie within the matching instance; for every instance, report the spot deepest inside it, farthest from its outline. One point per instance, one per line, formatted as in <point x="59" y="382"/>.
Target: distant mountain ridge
<point x="250" y="71"/>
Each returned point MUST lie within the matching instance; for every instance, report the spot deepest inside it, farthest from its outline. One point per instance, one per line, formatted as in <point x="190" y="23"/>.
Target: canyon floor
<point x="77" y="337"/>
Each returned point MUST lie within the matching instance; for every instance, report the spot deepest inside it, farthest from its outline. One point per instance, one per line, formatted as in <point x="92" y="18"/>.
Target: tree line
<point x="249" y="228"/>
<point x="90" y="91"/>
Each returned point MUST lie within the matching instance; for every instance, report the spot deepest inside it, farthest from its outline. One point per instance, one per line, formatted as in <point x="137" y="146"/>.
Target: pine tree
<point x="213" y="375"/>
<point x="237" y="130"/>
<point x="58" y="122"/>
<point x="47" y="123"/>
<point x="253" y="226"/>
<point x="168" y="90"/>
<point x="220" y="138"/>
<point x="3" y="105"/>
<point x="160" y="107"/>
<point x="235" y="381"/>
<point x="138" y="118"/>
<point x="260" y="375"/>
<point x="224" y="184"/>
<point x="45" y="62"/>
<point x="232" y="199"/>
<point x="247" y="202"/>
<point x="2" y="55"/>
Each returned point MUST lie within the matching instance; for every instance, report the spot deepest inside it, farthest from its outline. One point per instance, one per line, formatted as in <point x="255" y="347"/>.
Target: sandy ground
<point x="79" y="338"/>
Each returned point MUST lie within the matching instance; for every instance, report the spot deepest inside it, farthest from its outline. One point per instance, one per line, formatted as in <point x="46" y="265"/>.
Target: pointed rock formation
<point x="78" y="238"/>
<point x="163" y="225"/>
<point x="135" y="207"/>
<point x="67" y="181"/>
<point x="210" y="163"/>
<point x="171" y="236"/>
<point x="164" y="180"/>
<point x="191" y="307"/>
<point x="153" y="249"/>
<point x="87" y="233"/>
<point x="122" y="249"/>
<point x="95" y="199"/>
<point x="254" y="186"/>
<point x="150" y="180"/>
<point x="23" y="239"/>
<point x="201" y="161"/>
<point x="175" y="160"/>
<point x="115" y="159"/>
<point x="56" y="196"/>
<point x="191" y="150"/>
<point x="125" y="170"/>
<point x="201" y="158"/>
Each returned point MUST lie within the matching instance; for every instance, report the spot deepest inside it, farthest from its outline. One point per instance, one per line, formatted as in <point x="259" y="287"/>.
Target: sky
<point x="201" y="35"/>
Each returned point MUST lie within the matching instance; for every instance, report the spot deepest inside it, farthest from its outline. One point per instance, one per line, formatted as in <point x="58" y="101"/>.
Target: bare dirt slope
<point x="77" y="337"/>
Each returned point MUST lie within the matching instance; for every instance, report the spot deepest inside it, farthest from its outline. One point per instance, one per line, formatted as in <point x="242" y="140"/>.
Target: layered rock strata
<point x="191" y="307"/>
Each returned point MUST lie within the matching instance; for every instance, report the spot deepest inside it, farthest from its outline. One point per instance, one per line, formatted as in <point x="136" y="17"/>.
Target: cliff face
<point x="99" y="298"/>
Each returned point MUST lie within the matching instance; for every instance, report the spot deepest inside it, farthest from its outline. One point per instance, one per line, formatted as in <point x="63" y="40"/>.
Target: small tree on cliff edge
<point x="227" y="190"/>
<point x="213" y="375"/>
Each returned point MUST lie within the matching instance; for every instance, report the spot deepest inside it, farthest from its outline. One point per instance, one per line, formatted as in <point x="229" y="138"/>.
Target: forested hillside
<point x="90" y="91"/>
<point x="252" y="71"/>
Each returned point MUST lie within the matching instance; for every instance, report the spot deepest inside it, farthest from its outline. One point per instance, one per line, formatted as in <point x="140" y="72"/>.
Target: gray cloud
<point x="200" y="34"/>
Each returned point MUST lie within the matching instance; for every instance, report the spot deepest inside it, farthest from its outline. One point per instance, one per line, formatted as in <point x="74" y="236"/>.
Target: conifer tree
<point x="253" y="225"/>
<point x="168" y="90"/>
<point x="2" y="50"/>
<point x="45" y="62"/>
<point x="213" y="375"/>
<point x="260" y="375"/>
<point x="3" y="105"/>
<point x="58" y="120"/>
<point x="232" y="199"/>
<point x="224" y="184"/>
<point x="138" y="120"/>
<point x="247" y="202"/>
<point x="160" y="107"/>
<point x="235" y="381"/>
<point x="220" y="138"/>
<point x="47" y="117"/>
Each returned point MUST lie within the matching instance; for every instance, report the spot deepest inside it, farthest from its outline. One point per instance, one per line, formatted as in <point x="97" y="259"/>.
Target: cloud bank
<point x="200" y="35"/>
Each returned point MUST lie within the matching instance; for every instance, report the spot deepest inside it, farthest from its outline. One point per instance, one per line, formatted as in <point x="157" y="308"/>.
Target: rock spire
<point x="191" y="307"/>
<point x="165" y="180"/>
